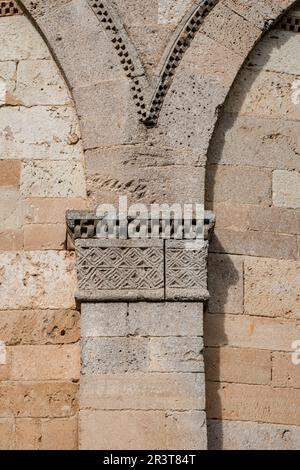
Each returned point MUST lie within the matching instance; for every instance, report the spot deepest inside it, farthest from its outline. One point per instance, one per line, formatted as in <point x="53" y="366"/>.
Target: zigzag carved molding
<point x="149" y="104"/>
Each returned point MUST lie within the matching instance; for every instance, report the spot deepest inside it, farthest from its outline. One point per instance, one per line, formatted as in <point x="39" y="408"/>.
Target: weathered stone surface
<point x="33" y="400"/>
<point x="257" y="101"/>
<point x="20" y="41"/>
<point x="104" y="319"/>
<point x="52" y="210"/>
<point x="10" y="173"/>
<point x="39" y="327"/>
<point x="225" y="284"/>
<point x="166" y="319"/>
<point x="40" y="83"/>
<point x="116" y="430"/>
<point x="60" y="434"/>
<point x="6" y="434"/>
<point x="186" y="270"/>
<point x="176" y="354"/>
<point x="260" y="13"/>
<point x="286" y="189"/>
<point x="53" y="126"/>
<point x="238" y="365"/>
<point x="237" y="435"/>
<point x="284" y="372"/>
<point x="255" y="141"/>
<point x="254" y="243"/>
<point x="13" y="209"/>
<point x="120" y="269"/>
<point x="11" y="240"/>
<point x="243" y="331"/>
<point x="113" y="355"/>
<point x="272" y="288"/>
<point x="144" y="173"/>
<point x="155" y="391"/>
<point x="186" y="430"/>
<point x="170" y="12"/>
<point x="7" y="80"/>
<point x="231" y="29"/>
<point x="235" y="184"/>
<point x="42" y="363"/>
<point x="45" y="237"/>
<point x="28" y="434"/>
<point x="37" y="279"/>
<point x="262" y="403"/>
<point x="53" y="179"/>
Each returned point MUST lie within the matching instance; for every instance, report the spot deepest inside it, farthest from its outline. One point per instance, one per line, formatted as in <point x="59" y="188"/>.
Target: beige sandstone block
<point x="225" y="283"/>
<point x="237" y="435"/>
<point x="241" y="331"/>
<point x="117" y="430"/>
<point x="52" y="210"/>
<point x="143" y="391"/>
<point x="37" y="400"/>
<point x="260" y="12"/>
<point x="7" y="434"/>
<point x="13" y="210"/>
<point x="11" y="240"/>
<point x="39" y="82"/>
<point x="56" y="133"/>
<point x="238" y="365"/>
<point x="60" y="434"/>
<point x="10" y="173"/>
<point x="286" y="189"/>
<point x="170" y="12"/>
<point x="7" y="80"/>
<point x="272" y="288"/>
<point x="28" y="434"/>
<point x="20" y="40"/>
<point x="37" y="327"/>
<point x="261" y="403"/>
<point x="45" y="237"/>
<point x="260" y="88"/>
<point x="36" y="279"/>
<point x="284" y="372"/>
<point x="255" y="243"/>
<point x="235" y="184"/>
<point x="52" y="179"/>
<point x="186" y="430"/>
<point x="42" y="363"/>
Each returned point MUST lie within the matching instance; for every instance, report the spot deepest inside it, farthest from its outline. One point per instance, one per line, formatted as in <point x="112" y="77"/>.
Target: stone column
<point x="142" y="373"/>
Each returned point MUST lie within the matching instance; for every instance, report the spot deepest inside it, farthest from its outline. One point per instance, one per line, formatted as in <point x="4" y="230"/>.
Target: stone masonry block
<point x="286" y="189"/>
<point x="104" y="319"/>
<point x="143" y="391"/>
<point x="120" y="269"/>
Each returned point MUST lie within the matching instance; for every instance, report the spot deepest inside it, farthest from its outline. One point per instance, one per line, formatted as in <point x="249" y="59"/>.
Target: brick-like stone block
<point x="40" y="83"/>
<point x="11" y="240"/>
<point x="27" y="327"/>
<point x="261" y="403"/>
<point x="238" y="365"/>
<point x="60" y="434"/>
<point x="118" y="430"/>
<point x="7" y="432"/>
<point x="186" y="270"/>
<point x="186" y="430"/>
<point x="10" y="173"/>
<point x="45" y="237"/>
<point x="166" y="319"/>
<point x="42" y="363"/>
<point x="120" y="269"/>
<point x="284" y="372"/>
<point x="176" y="355"/>
<point x="13" y="210"/>
<point x="37" y="279"/>
<point x="286" y="189"/>
<point x="34" y="400"/>
<point x="237" y="435"/>
<point x="52" y="210"/>
<point x="272" y="288"/>
<point x="104" y="319"/>
<point x="225" y="284"/>
<point x="243" y="331"/>
<point x="143" y="391"/>
<point x="235" y="184"/>
<point x="28" y="434"/>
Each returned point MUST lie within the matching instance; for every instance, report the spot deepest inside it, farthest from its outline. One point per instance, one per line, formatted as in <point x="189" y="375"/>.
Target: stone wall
<point x="253" y="317"/>
<point x="41" y="175"/>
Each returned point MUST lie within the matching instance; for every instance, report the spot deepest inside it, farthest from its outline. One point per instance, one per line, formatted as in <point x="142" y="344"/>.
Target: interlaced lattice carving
<point x="9" y="8"/>
<point x="149" y="109"/>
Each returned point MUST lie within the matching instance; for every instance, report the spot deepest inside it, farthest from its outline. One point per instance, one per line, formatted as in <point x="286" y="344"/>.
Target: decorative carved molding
<point x="149" y="109"/>
<point x="9" y="8"/>
<point x="290" y="21"/>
